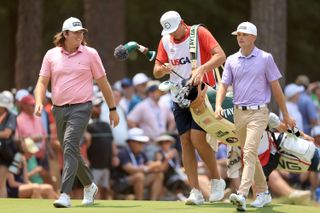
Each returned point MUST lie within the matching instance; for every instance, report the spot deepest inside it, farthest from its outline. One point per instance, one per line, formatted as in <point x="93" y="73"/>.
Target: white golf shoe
<point x="239" y="200"/>
<point x="63" y="201"/>
<point x="89" y="194"/>
<point x="262" y="199"/>
<point x="195" y="198"/>
<point x="217" y="190"/>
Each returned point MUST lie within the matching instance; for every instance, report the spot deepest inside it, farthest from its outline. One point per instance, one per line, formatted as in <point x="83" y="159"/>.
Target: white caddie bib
<point x="179" y="57"/>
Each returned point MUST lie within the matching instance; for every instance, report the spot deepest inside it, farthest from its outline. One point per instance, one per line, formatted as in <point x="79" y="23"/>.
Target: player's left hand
<point x="114" y="118"/>
<point x="219" y="113"/>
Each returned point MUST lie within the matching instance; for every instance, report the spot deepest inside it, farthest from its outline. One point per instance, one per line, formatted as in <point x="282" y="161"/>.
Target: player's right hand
<point x="38" y="109"/>
<point x="289" y="121"/>
<point x="219" y="113"/>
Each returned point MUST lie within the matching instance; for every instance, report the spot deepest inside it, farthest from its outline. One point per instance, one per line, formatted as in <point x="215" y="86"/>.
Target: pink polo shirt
<point x="72" y="75"/>
<point x="31" y="126"/>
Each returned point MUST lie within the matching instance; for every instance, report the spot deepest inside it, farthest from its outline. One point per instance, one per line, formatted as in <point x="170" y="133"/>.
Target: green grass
<point x="115" y="206"/>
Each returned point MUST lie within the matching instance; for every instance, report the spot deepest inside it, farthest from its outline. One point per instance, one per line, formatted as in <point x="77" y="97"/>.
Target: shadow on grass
<point x="205" y="205"/>
<point x="102" y="205"/>
<point x="268" y="208"/>
<point x="217" y="206"/>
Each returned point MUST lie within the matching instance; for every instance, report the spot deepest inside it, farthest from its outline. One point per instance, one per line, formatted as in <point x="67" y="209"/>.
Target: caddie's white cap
<point x="170" y="22"/>
<point x="72" y="24"/>
<point x="246" y="27"/>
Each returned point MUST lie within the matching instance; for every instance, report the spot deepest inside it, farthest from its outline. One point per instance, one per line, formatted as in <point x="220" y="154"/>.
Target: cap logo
<point x="242" y="27"/>
<point x="77" y="23"/>
<point x="167" y="25"/>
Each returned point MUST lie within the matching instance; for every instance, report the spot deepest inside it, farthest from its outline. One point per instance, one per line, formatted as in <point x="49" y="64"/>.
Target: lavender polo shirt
<point x="250" y="76"/>
<point x="72" y="75"/>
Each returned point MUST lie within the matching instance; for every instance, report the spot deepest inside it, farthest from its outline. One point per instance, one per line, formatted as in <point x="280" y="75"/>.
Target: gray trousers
<point x="71" y="122"/>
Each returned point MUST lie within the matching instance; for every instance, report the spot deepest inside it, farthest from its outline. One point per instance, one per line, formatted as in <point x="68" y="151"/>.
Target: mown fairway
<point x="123" y="206"/>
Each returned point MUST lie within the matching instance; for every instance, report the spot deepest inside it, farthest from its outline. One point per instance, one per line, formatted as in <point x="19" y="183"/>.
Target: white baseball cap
<point x="31" y="146"/>
<point x="153" y="85"/>
<point x="170" y="22"/>
<point x="246" y="27"/>
<point x="21" y="94"/>
<point x="139" y="78"/>
<point x="72" y="24"/>
<point x="292" y="89"/>
<point x="315" y="131"/>
<point x="5" y="102"/>
<point x="165" y="137"/>
<point x="8" y="94"/>
<point x="137" y="134"/>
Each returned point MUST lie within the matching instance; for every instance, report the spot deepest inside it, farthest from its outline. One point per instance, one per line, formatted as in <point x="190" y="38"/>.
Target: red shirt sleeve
<point x="207" y="42"/>
<point x="162" y="54"/>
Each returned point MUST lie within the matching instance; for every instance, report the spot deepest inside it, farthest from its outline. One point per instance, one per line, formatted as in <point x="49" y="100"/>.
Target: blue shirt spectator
<point x="308" y="111"/>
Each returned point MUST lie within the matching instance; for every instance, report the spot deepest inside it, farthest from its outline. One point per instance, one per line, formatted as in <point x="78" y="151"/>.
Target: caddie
<point x="174" y="54"/>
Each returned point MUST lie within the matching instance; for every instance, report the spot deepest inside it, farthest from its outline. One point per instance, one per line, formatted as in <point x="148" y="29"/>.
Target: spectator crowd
<point x="141" y="157"/>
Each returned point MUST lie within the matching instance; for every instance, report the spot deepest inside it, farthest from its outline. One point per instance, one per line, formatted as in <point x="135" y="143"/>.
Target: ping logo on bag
<point x="292" y="164"/>
<point x="288" y="165"/>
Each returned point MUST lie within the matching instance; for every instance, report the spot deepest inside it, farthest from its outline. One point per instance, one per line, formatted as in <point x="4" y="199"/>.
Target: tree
<point x="270" y="17"/>
<point x="106" y="32"/>
<point x="28" y="42"/>
<point x="8" y="23"/>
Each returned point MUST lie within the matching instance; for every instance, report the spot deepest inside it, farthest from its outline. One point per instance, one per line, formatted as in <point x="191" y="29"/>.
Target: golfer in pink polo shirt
<point x="71" y="67"/>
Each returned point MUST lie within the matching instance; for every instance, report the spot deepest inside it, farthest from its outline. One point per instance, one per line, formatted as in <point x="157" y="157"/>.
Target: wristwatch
<point x="113" y="109"/>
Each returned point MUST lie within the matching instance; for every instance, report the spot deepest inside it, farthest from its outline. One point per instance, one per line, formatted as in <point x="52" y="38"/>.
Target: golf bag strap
<point x="217" y="73"/>
<point x="193" y="45"/>
<point x="199" y="104"/>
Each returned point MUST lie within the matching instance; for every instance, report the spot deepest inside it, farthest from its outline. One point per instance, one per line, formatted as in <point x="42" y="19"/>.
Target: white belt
<point x="254" y="107"/>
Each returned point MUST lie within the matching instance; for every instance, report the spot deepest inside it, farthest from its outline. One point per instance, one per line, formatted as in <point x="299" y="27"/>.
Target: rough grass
<point x="123" y="206"/>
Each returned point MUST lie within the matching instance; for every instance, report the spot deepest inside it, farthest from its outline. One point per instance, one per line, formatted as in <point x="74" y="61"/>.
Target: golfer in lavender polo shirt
<point x="251" y="77"/>
<point x="253" y="74"/>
